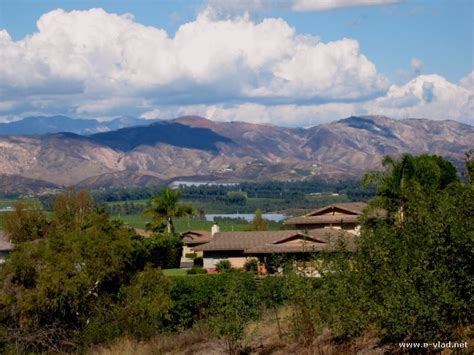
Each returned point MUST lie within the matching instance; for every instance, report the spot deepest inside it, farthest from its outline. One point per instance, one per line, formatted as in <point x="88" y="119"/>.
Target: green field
<point x="136" y="202"/>
<point x="185" y="224"/>
<point x="6" y="203"/>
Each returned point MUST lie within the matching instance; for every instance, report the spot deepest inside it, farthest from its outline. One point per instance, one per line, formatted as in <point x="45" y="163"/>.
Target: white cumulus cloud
<point x="426" y="96"/>
<point x="97" y="64"/>
<point x="92" y="61"/>
<point x="468" y="81"/>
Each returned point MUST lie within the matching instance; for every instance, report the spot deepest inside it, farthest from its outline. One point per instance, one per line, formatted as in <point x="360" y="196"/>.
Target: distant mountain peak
<point x="58" y="123"/>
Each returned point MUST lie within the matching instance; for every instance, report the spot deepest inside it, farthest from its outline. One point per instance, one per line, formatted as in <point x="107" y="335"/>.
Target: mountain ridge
<point x="38" y="125"/>
<point x="193" y="146"/>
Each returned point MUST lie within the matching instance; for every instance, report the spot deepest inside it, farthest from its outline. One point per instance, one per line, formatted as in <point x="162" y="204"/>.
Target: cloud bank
<point x="97" y="64"/>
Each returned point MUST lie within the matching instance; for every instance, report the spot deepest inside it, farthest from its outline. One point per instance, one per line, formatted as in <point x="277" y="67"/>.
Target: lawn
<point x="174" y="272"/>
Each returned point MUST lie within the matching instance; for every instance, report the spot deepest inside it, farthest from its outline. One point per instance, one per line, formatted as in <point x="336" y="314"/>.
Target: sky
<point x="293" y="63"/>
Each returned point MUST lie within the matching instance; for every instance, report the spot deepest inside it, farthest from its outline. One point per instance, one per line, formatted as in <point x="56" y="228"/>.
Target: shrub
<point x="224" y="266"/>
<point x="198" y="261"/>
<point x="276" y="262"/>
<point x="192" y="296"/>
<point x="163" y="250"/>
<point x="251" y="265"/>
<point x="190" y="255"/>
<point x="232" y="308"/>
<point x="145" y="302"/>
<point x="52" y="287"/>
<point x="271" y="294"/>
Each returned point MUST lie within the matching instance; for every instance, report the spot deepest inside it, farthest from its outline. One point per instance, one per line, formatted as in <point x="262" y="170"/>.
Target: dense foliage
<point x="86" y="271"/>
<point x="412" y="275"/>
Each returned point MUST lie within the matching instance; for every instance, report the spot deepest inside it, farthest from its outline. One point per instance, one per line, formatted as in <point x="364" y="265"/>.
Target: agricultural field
<point x="184" y="224"/>
<point x="6" y="203"/>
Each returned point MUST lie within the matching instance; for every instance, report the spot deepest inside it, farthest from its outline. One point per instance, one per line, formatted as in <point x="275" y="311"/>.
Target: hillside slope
<point x="196" y="147"/>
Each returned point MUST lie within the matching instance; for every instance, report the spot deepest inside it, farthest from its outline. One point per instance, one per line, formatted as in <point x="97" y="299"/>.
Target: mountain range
<point x="195" y="148"/>
<point x="55" y="124"/>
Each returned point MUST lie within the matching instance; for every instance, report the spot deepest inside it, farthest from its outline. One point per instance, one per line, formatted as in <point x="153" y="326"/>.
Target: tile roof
<point x="336" y="219"/>
<point x="270" y="241"/>
<point x="353" y="209"/>
<point x="196" y="237"/>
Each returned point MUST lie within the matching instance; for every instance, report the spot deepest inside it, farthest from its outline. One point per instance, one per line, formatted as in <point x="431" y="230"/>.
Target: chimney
<point x="215" y="229"/>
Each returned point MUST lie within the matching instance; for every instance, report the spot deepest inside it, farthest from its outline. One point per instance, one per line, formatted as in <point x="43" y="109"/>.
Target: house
<point x="192" y="240"/>
<point x="318" y="230"/>
<point x="238" y="247"/>
<point x="339" y="216"/>
<point x="5" y="247"/>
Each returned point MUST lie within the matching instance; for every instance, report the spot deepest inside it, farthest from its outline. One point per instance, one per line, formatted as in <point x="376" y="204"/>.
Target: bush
<point x="232" y="308"/>
<point x="52" y="287"/>
<point x="190" y="255"/>
<point x="145" y="302"/>
<point x="162" y="250"/>
<point x="276" y="262"/>
<point x="140" y="310"/>
<point x="192" y="296"/>
<point x="82" y="282"/>
<point x="224" y="266"/>
<point x="198" y="261"/>
<point x="251" y="265"/>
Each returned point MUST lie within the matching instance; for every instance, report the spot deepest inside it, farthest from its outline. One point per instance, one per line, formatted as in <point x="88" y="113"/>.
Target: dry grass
<point x="191" y="341"/>
<point x="262" y="338"/>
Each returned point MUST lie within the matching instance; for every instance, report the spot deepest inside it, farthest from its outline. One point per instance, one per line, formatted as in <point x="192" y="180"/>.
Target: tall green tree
<point x="71" y="208"/>
<point x="27" y="222"/>
<point x="258" y="222"/>
<point x="164" y="208"/>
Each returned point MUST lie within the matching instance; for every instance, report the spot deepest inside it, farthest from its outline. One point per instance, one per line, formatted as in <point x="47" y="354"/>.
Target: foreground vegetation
<point x="79" y="279"/>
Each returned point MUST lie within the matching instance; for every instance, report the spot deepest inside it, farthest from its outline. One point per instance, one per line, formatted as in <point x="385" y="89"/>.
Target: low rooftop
<point x="285" y="241"/>
<point x="340" y="213"/>
<point x="196" y="237"/>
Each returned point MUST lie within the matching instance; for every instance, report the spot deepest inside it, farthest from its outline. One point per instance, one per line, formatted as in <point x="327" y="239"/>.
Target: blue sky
<point x="404" y="41"/>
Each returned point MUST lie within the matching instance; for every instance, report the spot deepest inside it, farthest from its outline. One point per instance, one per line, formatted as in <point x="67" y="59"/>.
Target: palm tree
<point x="165" y="207"/>
<point x="395" y="184"/>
